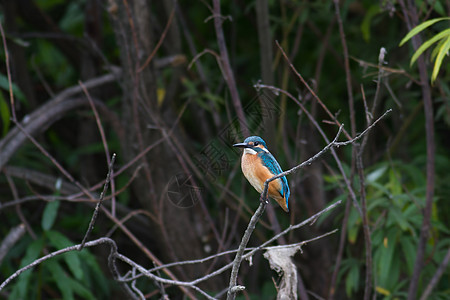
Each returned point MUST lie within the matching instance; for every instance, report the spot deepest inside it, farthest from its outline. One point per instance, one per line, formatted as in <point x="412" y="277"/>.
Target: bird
<point x="258" y="165"/>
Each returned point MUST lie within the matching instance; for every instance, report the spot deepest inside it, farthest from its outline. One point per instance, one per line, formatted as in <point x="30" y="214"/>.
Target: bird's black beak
<point x="242" y="145"/>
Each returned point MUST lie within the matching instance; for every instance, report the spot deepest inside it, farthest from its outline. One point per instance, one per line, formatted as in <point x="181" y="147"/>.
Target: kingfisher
<point x="258" y="165"/>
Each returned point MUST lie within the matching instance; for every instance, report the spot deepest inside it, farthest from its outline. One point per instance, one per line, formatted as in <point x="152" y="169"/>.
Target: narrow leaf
<point x="22" y="287"/>
<point x="436" y="49"/>
<point x="80" y="290"/>
<point x="72" y="259"/>
<point x="428" y="43"/>
<point x="376" y="174"/>
<point x="419" y="28"/>
<point x="352" y="280"/>
<point x="61" y="279"/>
<point x="387" y="253"/>
<point x="440" y="57"/>
<point x="49" y="215"/>
<point x="4" y="114"/>
<point x="4" y="84"/>
<point x="382" y="291"/>
<point x="409" y="252"/>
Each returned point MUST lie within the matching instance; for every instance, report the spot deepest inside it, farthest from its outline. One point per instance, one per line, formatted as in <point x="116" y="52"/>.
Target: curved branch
<point x="46" y="115"/>
<point x="100" y="241"/>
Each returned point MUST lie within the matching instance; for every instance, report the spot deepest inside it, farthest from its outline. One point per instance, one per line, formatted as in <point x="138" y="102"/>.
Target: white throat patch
<point x="249" y="151"/>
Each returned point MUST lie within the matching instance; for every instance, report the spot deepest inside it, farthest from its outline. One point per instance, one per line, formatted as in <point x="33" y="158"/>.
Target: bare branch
<point x="256" y="216"/>
<point x="8" y="70"/>
<point x="333" y="144"/>
<point x="263" y="199"/>
<point x="228" y="72"/>
<point x="161" y="39"/>
<point x="46" y="115"/>
<point x="105" y="145"/>
<point x="38" y="261"/>
<point x="10" y="239"/>
<point x="436" y="276"/>
<point x="412" y="19"/>
<point x="99" y="203"/>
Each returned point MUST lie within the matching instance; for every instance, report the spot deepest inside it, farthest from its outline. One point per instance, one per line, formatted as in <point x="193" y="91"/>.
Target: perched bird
<point x="258" y="165"/>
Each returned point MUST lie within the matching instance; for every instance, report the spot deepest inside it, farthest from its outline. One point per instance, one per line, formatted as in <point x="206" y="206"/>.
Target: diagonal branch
<point x="412" y="19"/>
<point x="333" y="144"/>
<point x="99" y="203"/>
<point x="233" y="288"/>
<point x="227" y="71"/>
<point x="436" y="276"/>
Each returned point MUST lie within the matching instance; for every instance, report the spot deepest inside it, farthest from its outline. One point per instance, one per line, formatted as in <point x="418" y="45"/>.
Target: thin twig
<point x="252" y="250"/>
<point x="322" y="133"/>
<point x="99" y="203"/>
<point x="361" y="208"/>
<point x="269" y="241"/>
<point x="381" y="62"/>
<point x="54" y="161"/>
<point x="231" y="294"/>
<point x="228" y="72"/>
<point x="134" y="288"/>
<point x="8" y="70"/>
<point x="263" y="199"/>
<point x="333" y="117"/>
<point x="105" y="145"/>
<point x="412" y="19"/>
<point x="434" y="280"/>
<point x="47" y="114"/>
<point x="22" y="218"/>
<point x="333" y="144"/>
<point x="14" y="235"/>
<point x="161" y="39"/>
<point x="100" y="241"/>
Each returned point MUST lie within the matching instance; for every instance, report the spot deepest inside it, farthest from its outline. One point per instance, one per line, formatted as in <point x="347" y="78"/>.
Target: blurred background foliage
<point x="54" y="43"/>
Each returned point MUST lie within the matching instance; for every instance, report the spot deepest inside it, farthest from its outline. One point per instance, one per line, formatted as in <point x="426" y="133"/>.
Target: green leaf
<point x="377" y="202"/>
<point x="72" y="259"/>
<point x="4" y="84"/>
<point x="385" y="259"/>
<point x="440" y="57"/>
<point x="419" y="28"/>
<point x="353" y="226"/>
<point x="49" y="215"/>
<point x="80" y="290"/>
<point x="395" y="186"/>
<point x="47" y="4"/>
<point x="439" y="8"/>
<point x="380" y="188"/>
<point x="428" y="43"/>
<point x="4" y="114"/>
<point x="352" y="281"/>
<point x="365" y="25"/>
<point x="73" y="19"/>
<point x="60" y="278"/>
<point x="376" y="174"/>
<point x="93" y="274"/>
<point x="22" y="286"/>
<point x="409" y="252"/>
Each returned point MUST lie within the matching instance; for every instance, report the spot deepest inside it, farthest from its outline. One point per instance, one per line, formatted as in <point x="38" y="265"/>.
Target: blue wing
<point x="271" y="163"/>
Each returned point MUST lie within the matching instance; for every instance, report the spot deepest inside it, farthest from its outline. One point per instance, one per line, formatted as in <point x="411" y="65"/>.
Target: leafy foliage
<point x="441" y="39"/>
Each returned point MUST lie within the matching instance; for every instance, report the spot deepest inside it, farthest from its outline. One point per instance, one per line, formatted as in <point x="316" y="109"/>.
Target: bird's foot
<point x="264" y="200"/>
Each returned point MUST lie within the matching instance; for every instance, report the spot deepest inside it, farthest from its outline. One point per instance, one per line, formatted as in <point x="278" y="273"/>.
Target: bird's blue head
<point x="253" y="142"/>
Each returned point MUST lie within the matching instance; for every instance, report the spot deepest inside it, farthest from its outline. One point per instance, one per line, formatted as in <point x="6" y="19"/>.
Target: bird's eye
<point x="255" y="143"/>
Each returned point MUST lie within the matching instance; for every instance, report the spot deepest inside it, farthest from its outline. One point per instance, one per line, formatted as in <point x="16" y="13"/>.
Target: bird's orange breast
<point x="256" y="173"/>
